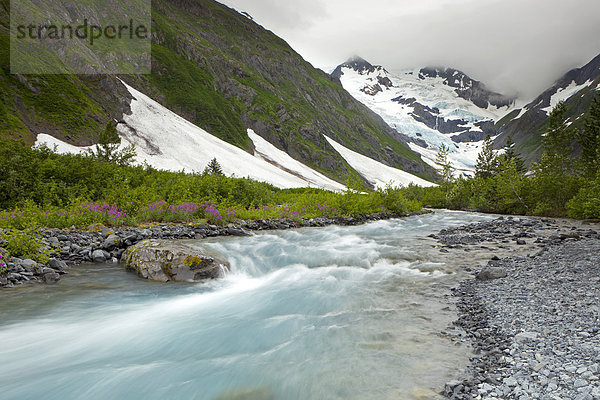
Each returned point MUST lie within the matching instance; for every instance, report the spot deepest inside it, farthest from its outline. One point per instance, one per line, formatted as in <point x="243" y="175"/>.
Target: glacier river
<point x="314" y="313"/>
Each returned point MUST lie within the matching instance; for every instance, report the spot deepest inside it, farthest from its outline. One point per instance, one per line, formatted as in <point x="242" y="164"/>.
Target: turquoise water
<point x="327" y="313"/>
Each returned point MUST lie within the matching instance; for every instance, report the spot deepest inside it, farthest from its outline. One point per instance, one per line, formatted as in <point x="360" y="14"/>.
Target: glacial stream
<point x="314" y="313"/>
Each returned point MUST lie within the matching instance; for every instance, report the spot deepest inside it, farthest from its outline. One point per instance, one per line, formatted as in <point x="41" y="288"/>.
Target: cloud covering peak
<point x="516" y="47"/>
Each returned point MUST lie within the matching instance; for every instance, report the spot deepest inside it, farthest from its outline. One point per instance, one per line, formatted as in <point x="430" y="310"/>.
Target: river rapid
<point x="313" y="313"/>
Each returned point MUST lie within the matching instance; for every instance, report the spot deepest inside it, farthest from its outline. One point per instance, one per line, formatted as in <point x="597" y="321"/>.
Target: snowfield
<point x="563" y="94"/>
<point x="378" y="174"/>
<point x="266" y="151"/>
<point x="167" y="141"/>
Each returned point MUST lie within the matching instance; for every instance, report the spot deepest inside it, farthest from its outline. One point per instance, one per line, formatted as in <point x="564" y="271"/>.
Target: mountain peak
<point x="356" y="63"/>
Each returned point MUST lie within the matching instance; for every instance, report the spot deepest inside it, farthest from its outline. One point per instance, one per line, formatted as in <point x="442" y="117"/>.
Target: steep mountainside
<point x="222" y="72"/>
<point x="434" y="106"/>
<point x="577" y="88"/>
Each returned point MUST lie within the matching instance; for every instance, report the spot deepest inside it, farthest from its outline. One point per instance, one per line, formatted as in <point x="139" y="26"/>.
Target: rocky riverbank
<point x="531" y="311"/>
<point x="100" y="244"/>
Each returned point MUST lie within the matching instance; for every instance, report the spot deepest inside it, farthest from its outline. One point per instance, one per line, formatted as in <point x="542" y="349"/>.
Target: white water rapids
<point x="315" y="313"/>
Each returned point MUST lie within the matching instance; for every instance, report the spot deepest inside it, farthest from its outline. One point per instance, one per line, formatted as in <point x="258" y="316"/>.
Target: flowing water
<point x="315" y="313"/>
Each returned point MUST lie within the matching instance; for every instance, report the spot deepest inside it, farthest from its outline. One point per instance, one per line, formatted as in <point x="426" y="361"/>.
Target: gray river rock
<point x="166" y="260"/>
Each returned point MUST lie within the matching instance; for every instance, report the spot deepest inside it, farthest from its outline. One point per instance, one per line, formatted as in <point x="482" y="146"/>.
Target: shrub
<point x="586" y="203"/>
<point x="23" y="244"/>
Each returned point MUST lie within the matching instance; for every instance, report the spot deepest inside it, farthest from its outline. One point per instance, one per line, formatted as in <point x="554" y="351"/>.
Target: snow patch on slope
<point x="266" y="151"/>
<point x="378" y="174"/>
<point x="523" y="111"/>
<point x="59" y="146"/>
<point x="167" y="141"/>
<point x="563" y="94"/>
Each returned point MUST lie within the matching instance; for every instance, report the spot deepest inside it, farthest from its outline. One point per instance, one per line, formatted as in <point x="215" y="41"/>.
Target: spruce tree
<point x="555" y="178"/>
<point x="213" y="168"/>
<point x="487" y="162"/>
<point x="557" y="141"/>
<point x="511" y="154"/>
<point x="445" y="169"/>
<point x="107" y="148"/>
<point x="589" y="139"/>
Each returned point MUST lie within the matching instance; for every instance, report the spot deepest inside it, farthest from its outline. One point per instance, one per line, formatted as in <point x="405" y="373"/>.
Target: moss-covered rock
<point x="164" y="261"/>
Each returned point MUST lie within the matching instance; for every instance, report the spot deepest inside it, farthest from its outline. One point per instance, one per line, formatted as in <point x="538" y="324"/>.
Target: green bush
<point x="586" y="203"/>
<point x="23" y="244"/>
<point x="46" y="189"/>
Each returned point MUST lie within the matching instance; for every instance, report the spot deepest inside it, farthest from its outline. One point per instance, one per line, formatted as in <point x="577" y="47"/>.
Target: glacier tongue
<point x="426" y="108"/>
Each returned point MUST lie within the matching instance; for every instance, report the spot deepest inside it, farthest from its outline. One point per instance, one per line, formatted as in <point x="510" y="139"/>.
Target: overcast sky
<point x="513" y="46"/>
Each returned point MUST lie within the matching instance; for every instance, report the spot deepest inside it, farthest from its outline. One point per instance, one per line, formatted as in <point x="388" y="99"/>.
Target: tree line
<point x="558" y="184"/>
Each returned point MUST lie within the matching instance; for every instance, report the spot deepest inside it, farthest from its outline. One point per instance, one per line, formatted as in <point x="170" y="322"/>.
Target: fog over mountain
<point x="516" y="47"/>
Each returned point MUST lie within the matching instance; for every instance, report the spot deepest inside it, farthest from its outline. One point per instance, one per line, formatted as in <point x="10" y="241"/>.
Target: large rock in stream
<point x="165" y="260"/>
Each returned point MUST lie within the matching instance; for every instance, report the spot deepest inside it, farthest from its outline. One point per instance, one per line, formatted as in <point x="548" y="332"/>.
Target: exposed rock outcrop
<point x="164" y="261"/>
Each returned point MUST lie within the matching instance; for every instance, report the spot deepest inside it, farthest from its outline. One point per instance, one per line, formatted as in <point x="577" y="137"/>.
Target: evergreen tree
<point x="107" y="148"/>
<point x="487" y="162"/>
<point x="589" y="139"/>
<point x="445" y="169"/>
<point x="555" y="180"/>
<point x="557" y="141"/>
<point x="509" y="184"/>
<point x="213" y="168"/>
<point x="511" y="154"/>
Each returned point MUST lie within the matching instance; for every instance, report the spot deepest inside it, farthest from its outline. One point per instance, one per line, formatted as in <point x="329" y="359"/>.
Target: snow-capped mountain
<point x="434" y="106"/>
<point x="526" y="125"/>
<point x="168" y="141"/>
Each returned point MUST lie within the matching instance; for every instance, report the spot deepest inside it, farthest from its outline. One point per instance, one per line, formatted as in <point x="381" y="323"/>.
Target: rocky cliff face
<point x="467" y="88"/>
<point x="224" y="73"/>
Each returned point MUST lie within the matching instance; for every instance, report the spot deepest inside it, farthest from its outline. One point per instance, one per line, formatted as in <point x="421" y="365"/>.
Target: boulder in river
<point x="165" y="260"/>
<point x="489" y="273"/>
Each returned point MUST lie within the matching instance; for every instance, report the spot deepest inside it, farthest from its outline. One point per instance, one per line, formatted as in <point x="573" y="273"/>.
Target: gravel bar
<point x="533" y="320"/>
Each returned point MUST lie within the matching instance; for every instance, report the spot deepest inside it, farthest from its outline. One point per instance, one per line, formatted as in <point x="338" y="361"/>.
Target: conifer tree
<point x="557" y="142"/>
<point x="445" y="169"/>
<point x="555" y="178"/>
<point x="589" y="139"/>
<point x="213" y="168"/>
<point x="487" y="162"/>
<point x="107" y="148"/>
<point x="511" y="154"/>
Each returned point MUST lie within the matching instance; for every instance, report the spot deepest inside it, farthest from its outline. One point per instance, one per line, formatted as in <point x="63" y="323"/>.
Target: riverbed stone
<point x="57" y="265"/>
<point x="111" y="242"/>
<point x="29" y="264"/>
<point x="98" y="256"/>
<point x="490" y="273"/>
<point x="51" y="277"/>
<point x="164" y="261"/>
<point x="542" y="320"/>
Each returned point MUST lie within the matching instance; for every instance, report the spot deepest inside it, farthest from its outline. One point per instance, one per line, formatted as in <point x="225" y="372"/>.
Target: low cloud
<point x="513" y="46"/>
